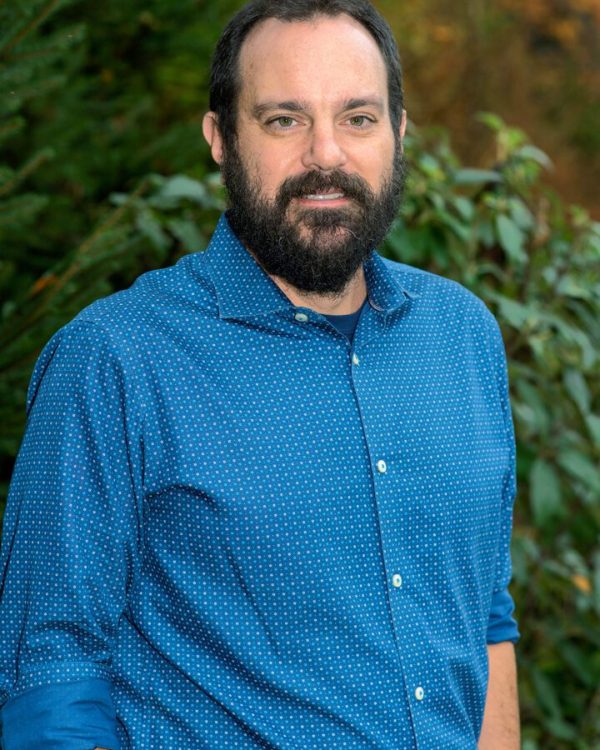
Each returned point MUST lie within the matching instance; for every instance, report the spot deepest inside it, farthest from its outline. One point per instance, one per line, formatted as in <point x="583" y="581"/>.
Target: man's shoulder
<point x="181" y="294"/>
<point x="160" y="305"/>
<point x="438" y="293"/>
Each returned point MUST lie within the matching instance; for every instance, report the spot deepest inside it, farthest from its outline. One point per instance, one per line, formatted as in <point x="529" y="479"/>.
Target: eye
<point x="283" y="122"/>
<point x="360" y="121"/>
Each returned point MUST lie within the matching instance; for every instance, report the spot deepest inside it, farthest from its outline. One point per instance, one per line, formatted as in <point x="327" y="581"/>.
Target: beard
<point x="317" y="250"/>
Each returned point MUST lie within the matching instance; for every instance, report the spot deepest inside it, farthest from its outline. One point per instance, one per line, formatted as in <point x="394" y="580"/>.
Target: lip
<point x="323" y="200"/>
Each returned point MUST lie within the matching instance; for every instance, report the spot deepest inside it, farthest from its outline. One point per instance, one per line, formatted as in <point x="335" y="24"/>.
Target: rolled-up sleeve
<point x="70" y="541"/>
<point x="72" y="716"/>
<point x="502" y="626"/>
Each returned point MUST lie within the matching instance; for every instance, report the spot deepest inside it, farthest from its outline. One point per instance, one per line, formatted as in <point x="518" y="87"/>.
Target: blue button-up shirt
<point x="232" y="527"/>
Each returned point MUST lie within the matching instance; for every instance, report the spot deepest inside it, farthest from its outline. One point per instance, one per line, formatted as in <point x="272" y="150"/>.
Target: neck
<point x="345" y="303"/>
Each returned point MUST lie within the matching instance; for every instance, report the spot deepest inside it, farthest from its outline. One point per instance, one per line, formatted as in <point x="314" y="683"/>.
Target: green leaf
<point x="593" y="425"/>
<point x="511" y="238"/>
<point x="514" y="313"/>
<point x="534" y="154"/>
<point x="461" y="230"/>
<point x="438" y="201"/>
<point x="465" y="208"/>
<point x="431" y="167"/>
<point x="152" y="229"/>
<point x="578" y="337"/>
<point x="524" y="553"/>
<point x="546" y="693"/>
<point x="559" y="728"/>
<point x="545" y="493"/>
<point x="187" y="233"/>
<point x="521" y="214"/>
<point x="182" y="187"/>
<point x="580" y="467"/>
<point x="537" y="411"/>
<point x="492" y="120"/>
<point x="486" y="233"/>
<point x="578" y="390"/>
<point x="475" y="176"/>
<point x="570" y="287"/>
<point x="579" y="661"/>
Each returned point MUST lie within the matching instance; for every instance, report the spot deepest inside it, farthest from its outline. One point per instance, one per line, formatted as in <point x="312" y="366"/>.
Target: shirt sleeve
<point x="70" y="541"/>
<point x="501" y="624"/>
<point x="71" y="716"/>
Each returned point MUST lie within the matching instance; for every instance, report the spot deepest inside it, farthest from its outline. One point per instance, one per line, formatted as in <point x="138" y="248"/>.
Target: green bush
<point x="92" y="192"/>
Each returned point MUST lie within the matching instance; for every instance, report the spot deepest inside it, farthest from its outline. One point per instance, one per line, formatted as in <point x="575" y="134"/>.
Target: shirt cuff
<point x="501" y="625"/>
<point x="71" y="716"/>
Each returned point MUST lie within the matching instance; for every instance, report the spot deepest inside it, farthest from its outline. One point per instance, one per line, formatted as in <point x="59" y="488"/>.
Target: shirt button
<point x="301" y="317"/>
<point x="355" y="359"/>
<point x="397" y="580"/>
<point x="419" y="693"/>
<point x="381" y="467"/>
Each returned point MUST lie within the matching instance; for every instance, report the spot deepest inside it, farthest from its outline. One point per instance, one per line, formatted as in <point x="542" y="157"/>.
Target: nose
<point x="323" y="150"/>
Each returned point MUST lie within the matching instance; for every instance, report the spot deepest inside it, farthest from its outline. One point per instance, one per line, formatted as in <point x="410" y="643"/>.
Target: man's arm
<point x="70" y="547"/>
<point x="501" y="730"/>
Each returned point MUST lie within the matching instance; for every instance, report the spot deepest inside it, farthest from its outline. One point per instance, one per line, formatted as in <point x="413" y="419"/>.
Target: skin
<point x="321" y="106"/>
<point x="501" y="725"/>
<point x="308" y="102"/>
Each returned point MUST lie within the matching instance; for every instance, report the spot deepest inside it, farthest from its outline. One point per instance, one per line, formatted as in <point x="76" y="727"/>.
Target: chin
<point x="330" y="235"/>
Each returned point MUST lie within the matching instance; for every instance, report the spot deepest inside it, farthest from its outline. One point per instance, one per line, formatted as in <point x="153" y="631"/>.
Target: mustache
<point x="353" y="186"/>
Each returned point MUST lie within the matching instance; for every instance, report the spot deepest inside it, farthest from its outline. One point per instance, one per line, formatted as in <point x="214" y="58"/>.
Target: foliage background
<point x="104" y="174"/>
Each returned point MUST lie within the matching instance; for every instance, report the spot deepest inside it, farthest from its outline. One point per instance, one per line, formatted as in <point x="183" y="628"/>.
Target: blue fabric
<point x="65" y="716"/>
<point x="346" y="324"/>
<point x="260" y="534"/>
<point x="501" y="626"/>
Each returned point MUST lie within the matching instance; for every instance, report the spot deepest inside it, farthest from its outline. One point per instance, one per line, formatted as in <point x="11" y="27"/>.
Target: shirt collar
<point x="244" y="290"/>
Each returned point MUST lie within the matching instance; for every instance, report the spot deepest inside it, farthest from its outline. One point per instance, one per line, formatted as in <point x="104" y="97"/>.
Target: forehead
<point x="313" y="60"/>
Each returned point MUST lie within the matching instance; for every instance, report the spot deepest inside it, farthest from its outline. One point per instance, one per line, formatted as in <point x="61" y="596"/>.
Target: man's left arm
<point x="500" y="730"/>
<point x="501" y="727"/>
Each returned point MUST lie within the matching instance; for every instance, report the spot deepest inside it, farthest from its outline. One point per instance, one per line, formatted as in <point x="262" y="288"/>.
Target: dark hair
<point x="225" y="81"/>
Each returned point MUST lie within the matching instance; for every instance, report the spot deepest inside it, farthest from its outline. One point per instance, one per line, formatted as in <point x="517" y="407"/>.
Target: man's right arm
<point x="69" y="716"/>
<point x="69" y="549"/>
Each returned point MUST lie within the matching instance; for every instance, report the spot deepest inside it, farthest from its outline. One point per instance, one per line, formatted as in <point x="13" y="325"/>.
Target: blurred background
<point x="104" y="174"/>
<point x="535" y="63"/>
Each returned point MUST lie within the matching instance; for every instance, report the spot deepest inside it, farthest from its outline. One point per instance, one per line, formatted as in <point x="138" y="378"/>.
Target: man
<point x="264" y="497"/>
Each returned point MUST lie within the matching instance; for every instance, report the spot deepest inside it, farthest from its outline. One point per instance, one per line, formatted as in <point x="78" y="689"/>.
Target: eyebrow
<point x="290" y="106"/>
<point x="294" y="105"/>
<point x="374" y="101"/>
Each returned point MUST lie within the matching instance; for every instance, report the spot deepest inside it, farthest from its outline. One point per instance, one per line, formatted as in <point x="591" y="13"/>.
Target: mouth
<point x="324" y="199"/>
<point x="324" y="196"/>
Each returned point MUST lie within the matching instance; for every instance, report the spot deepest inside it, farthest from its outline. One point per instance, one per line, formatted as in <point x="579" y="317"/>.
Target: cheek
<point x="267" y="175"/>
<point x="379" y="163"/>
<point x="384" y="173"/>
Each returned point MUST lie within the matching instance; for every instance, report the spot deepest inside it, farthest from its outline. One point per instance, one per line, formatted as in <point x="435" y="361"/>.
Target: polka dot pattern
<point x="262" y="534"/>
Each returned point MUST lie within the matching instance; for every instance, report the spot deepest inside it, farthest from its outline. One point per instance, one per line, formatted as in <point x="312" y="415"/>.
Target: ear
<point x="403" y="129"/>
<point x="210" y="128"/>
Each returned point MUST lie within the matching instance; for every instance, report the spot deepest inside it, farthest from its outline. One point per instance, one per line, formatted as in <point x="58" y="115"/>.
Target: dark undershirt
<point x="346" y="324"/>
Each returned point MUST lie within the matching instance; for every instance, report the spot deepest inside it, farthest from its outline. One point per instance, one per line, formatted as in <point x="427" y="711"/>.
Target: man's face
<point x="316" y="172"/>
